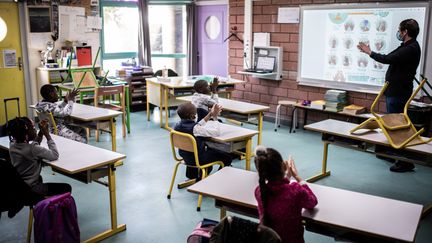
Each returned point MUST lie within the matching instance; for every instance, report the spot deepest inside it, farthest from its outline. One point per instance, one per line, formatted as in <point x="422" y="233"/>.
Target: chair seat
<point x="394" y="119"/>
<point x="286" y="102"/>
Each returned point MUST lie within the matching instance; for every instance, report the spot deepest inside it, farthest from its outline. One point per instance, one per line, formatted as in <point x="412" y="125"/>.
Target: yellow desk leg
<point x="162" y="92"/>
<point x="248" y="153"/>
<point x="147" y="103"/>
<point x="166" y="108"/>
<point x="324" y="171"/>
<point x="113" y="134"/>
<point x="113" y="208"/>
<point x="260" y="126"/>
<point x="222" y="213"/>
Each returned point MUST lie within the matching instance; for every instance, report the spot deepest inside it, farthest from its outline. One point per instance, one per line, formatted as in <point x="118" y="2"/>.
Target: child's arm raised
<point x="307" y="197"/>
<point x="42" y="153"/>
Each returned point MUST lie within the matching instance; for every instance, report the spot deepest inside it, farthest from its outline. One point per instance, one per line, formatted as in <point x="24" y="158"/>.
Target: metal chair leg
<point x="30" y="225"/>
<point x="172" y="180"/>
<point x="277" y="119"/>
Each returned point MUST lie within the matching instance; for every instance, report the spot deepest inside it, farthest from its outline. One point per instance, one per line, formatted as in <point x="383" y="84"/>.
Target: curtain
<point x="144" y="51"/>
<point x="192" y="40"/>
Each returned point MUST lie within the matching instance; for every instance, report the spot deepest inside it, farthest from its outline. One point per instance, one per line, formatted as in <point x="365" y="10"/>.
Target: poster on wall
<point x="40" y="19"/>
<point x="9" y="58"/>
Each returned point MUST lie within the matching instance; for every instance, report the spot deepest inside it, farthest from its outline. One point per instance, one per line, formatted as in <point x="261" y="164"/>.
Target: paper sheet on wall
<point x="9" y="58"/>
<point x="288" y="15"/>
<point x="94" y="23"/>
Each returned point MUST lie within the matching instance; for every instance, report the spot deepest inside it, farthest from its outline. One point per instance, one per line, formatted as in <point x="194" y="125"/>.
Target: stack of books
<point x="335" y="100"/>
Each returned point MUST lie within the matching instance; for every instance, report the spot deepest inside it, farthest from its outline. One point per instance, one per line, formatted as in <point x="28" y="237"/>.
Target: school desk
<point x="337" y="133"/>
<point x="233" y="190"/>
<point x="242" y="108"/>
<point x="88" y="113"/>
<point x="83" y="91"/>
<point x="86" y="163"/>
<point x="163" y="94"/>
<point x="236" y="138"/>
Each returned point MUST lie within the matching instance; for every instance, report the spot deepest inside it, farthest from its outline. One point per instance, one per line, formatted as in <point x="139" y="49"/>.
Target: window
<point x="167" y="24"/>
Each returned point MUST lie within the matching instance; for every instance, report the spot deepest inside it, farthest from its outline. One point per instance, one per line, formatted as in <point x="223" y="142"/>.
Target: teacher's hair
<point x="411" y="26"/>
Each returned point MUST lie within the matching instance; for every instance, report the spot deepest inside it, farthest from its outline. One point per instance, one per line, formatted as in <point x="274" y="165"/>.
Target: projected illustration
<point x="378" y="65"/>
<point x="346" y="60"/>
<point x="379" y="45"/>
<point x="349" y="25"/>
<point x="332" y="60"/>
<point x="381" y="25"/>
<point x="339" y="76"/>
<point x="338" y="18"/>
<point x="348" y="43"/>
<point x="365" y="25"/>
<point x="333" y="42"/>
<point x="362" y="61"/>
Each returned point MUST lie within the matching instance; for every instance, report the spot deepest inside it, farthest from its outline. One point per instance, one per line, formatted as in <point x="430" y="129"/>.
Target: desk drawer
<point x="227" y="147"/>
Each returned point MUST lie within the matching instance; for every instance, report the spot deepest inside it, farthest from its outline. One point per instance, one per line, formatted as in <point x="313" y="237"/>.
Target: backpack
<point x="202" y="231"/>
<point x="55" y="220"/>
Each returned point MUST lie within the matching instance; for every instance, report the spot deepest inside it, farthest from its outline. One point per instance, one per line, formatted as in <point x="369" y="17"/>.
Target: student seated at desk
<point x="200" y="130"/>
<point x="61" y="111"/>
<point x="201" y="98"/>
<point x="27" y="155"/>
<point x="280" y="202"/>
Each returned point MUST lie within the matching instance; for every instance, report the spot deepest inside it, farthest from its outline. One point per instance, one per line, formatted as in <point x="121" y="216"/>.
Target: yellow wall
<point x="11" y="79"/>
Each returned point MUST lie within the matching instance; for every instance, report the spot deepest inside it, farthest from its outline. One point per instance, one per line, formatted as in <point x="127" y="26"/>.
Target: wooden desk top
<point x="230" y="133"/>
<point x="75" y="156"/>
<point x="188" y="82"/>
<point x="341" y="128"/>
<point x="235" y="105"/>
<point x="90" y="113"/>
<point x="70" y="86"/>
<point x="362" y="115"/>
<point x="349" y="210"/>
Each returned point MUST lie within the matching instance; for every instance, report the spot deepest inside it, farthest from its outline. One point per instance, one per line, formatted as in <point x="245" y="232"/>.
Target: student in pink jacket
<point x="280" y="202"/>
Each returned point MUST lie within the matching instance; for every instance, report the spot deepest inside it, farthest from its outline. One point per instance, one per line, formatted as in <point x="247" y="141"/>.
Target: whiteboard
<point x="329" y="34"/>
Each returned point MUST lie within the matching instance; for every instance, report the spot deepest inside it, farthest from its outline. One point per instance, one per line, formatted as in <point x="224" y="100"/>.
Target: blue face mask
<point x="399" y="36"/>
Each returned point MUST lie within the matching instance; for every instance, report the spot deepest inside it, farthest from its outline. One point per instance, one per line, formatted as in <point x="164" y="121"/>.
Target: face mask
<point x="399" y="36"/>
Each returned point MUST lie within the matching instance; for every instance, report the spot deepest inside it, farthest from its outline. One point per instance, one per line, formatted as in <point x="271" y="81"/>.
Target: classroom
<point x="215" y="121"/>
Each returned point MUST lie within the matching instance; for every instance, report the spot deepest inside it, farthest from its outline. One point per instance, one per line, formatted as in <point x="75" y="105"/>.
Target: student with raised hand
<point x="280" y="202"/>
<point x="205" y="96"/>
<point x="61" y="110"/>
<point x="27" y="155"/>
<point x="201" y="130"/>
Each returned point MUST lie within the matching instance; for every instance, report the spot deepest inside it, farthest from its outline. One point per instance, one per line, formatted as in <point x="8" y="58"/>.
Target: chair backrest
<point x="50" y="118"/>
<point x="106" y="92"/>
<point x="15" y="191"/>
<point x="84" y="78"/>
<point x="183" y="141"/>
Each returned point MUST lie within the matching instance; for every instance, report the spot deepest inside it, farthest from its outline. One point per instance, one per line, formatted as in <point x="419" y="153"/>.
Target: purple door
<point x="212" y="31"/>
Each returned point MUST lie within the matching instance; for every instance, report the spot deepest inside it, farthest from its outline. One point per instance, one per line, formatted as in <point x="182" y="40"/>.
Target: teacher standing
<point x="403" y="61"/>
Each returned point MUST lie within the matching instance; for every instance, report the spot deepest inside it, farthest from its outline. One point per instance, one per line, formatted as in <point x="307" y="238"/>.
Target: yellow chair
<point x="50" y="118"/>
<point x="397" y="127"/>
<point x="103" y="98"/>
<point x="187" y="142"/>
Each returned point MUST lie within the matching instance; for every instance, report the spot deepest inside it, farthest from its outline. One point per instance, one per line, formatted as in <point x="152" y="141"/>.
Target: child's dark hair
<point x="46" y="90"/>
<point x="200" y="85"/>
<point x="186" y="110"/>
<point x="18" y="128"/>
<point x="269" y="164"/>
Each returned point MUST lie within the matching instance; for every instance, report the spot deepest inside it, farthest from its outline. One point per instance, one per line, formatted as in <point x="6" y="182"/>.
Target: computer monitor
<point x="265" y="63"/>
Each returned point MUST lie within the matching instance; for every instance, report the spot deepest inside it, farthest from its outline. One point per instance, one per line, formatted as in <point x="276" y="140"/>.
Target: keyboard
<point x="256" y="71"/>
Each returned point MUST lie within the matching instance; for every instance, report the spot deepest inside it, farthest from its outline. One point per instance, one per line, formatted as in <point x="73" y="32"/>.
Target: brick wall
<point x="268" y="92"/>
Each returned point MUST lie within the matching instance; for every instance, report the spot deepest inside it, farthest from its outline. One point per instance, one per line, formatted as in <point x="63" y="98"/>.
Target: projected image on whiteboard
<point x="329" y="39"/>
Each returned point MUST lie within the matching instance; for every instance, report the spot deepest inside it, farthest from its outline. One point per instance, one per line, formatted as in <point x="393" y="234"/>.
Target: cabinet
<point x="138" y="87"/>
<point x="55" y="75"/>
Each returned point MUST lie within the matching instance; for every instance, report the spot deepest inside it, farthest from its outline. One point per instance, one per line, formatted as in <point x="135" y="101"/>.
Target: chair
<point x="103" y="98"/>
<point x="397" y="127"/>
<point x="187" y="143"/>
<point x="50" y="118"/>
<point x="280" y="104"/>
<point x="16" y="193"/>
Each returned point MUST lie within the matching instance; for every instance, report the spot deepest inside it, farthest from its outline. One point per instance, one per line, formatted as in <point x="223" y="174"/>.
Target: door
<point x="212" y="48"/>
<point x="11" y="73"/>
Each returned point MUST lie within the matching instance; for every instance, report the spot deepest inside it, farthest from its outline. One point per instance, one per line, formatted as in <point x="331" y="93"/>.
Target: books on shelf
<point x="354" y="109"/>
<point x="335" y="100"/>
<point x="318" y="104"/>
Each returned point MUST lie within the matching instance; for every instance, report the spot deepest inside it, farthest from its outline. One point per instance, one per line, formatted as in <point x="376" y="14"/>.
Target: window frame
<point x="126" y="55"/>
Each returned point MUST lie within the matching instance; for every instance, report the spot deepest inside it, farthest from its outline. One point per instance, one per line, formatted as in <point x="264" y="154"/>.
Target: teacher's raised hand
<point x="364" y="48"/>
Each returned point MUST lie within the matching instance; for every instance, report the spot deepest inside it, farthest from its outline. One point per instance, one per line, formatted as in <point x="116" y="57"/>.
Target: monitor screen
<point x="265" y="63"/>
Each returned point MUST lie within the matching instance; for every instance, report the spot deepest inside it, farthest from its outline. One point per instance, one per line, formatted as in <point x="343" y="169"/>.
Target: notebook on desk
<point x="264" y="64"/>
